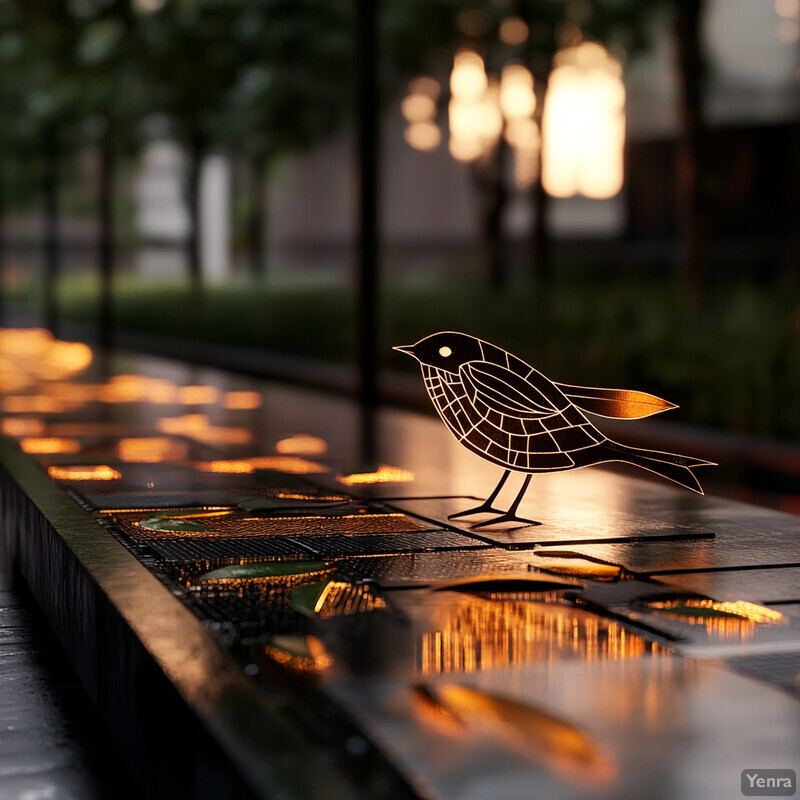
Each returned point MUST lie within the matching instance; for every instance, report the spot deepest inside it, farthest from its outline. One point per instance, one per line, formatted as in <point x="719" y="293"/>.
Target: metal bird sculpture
<point x="506" y="412"/>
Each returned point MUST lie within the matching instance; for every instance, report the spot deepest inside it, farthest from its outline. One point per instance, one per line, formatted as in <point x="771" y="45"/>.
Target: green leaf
<point x="257" y="504"/>
<point x="265" y="569"/>
<point x="172" y="524"/>
<point x="303" y="599"/>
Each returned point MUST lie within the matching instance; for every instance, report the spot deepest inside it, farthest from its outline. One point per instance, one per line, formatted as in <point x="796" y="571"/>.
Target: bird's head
<point x="447" y="350"/>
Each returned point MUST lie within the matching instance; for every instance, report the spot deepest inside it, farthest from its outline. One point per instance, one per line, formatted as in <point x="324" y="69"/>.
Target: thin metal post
<point x="368" y="195"/>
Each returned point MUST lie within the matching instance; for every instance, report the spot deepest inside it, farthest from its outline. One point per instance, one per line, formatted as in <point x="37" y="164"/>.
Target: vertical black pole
<point x="105" y="319"/>
<point x="368" y="182"/>
<point x="50" y="233"/>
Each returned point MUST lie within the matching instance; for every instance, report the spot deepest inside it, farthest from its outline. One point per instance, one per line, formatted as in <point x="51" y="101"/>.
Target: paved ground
<point x="51" y="743"/>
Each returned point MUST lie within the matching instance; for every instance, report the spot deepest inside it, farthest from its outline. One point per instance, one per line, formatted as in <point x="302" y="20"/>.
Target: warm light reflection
<point x="21" y="426"/>
<point x="725" y="619"/>
<point x="384" y="474"/>
<point x="289" y="464"/>
<point x="242" y="401"/>
<point x="101" y="472"/>
<point x="198" y="395"/>
<point x="304" y="654"/>
<point x="302" y="445"/>
<point x="580" y="568"/>
<point x="468" y="79"/>
<point x="341" y="598"/>
<point x="48" y="446"/>
<point x="478" y="634"/>
<point x="554" y="742"/>
<point x="137" y="389"/>
<point x="198" y="427"/>
<point x="583" y="126"/>
<point x="36" y="404"/>
<point x="151" y="450"/>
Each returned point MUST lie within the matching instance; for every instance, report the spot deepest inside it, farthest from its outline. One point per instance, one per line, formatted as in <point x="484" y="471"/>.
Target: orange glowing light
<point x="196" y="426"/>
<point x="21" y="426"/>
<point x="188" y="425"/>
<point x="302" y="445"/>
<point x="242" y="401"/>
<point x="101" y="472"/>
<point x="583" y="127"/>
<point x="423" y="135"/>
<point x="384" y="474"/>
<point x="418" y="108"/>
<point x="151" y="450"/>
<point x="51" y="445"/>
<point x="37" y="404"/>
<point x="751" y="612"/>
<point x="299" y="653"/>
<point x="231" y="467"/>
<point x="289" y="464"/>
<point x="198" y="395"/>
<point x="513" y="31"/>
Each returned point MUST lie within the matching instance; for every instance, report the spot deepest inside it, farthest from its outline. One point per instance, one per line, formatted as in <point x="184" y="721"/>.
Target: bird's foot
<point x="484" y="508"/>
<point x="505" y="516"/>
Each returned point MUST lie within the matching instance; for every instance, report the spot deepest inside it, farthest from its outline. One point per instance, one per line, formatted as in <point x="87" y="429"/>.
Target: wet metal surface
<point x="640" y="641"/>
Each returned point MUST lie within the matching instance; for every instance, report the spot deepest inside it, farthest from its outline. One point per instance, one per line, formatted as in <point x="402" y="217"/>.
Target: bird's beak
<point x="405" y="348"/>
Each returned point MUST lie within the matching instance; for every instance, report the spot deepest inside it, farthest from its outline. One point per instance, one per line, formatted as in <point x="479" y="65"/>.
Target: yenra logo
<point x="769" y="782"/>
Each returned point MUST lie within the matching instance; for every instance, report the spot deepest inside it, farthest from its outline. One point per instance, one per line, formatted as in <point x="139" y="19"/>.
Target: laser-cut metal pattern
<point x="508" y="413"/>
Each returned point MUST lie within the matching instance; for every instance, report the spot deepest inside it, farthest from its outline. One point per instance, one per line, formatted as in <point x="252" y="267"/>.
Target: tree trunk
<point x="489" y="175"/>
<point x="257" y="240"/>
<point x="106" y="249"/>
<point x="196" y="155"/>
<point x="50" y="214"/>
<point x="693" y="200"/>
<point x="540" y="245"/>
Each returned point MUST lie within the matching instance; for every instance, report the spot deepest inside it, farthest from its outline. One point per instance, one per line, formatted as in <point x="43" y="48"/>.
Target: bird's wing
<point x="504" y="391"/>
<point x="620" y="403"/>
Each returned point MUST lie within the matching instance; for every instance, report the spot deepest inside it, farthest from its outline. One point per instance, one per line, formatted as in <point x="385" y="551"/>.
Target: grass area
<point x="733" y="365"/>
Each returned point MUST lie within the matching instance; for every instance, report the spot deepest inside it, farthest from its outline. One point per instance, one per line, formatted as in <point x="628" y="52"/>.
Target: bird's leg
<point x="511" y="514"/>
<point x="486" y="506"/>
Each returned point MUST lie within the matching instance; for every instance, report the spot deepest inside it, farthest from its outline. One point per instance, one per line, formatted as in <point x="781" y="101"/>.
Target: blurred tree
<point x="622" y="25"/>
<point x="47" y="114"/>
<point x="114" y="97"/>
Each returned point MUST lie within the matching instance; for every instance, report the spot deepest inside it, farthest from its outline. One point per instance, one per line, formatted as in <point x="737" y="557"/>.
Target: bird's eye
<point x="445" y="351"/>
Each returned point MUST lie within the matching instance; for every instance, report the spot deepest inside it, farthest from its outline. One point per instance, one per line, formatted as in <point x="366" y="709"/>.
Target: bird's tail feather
<point x="669" y="465"/>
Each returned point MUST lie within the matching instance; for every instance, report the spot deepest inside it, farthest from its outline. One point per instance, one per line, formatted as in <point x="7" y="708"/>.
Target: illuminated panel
<point x="198" y="395"/>
<point x="101" y="472"/>
<point x="384" y="474"/>
<point x="302" y="445"/>
<point x="20" y="426"/>
<point x="51" y="445"/>
<point x="151" y="450"/>
<point x="242" y="401"/>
